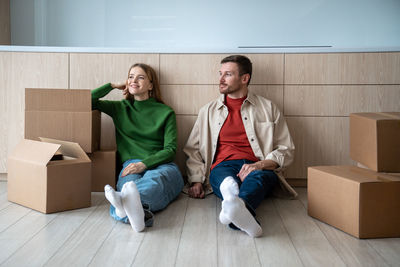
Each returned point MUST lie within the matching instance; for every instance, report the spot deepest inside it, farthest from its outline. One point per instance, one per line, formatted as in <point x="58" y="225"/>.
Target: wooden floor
<point x="187" y="233"/>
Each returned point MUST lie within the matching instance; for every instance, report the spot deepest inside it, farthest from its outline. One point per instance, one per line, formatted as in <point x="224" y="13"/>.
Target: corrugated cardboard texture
<point x="358" y="201"/>
<point x="374" y="140"/>
<point x="73" y="100"/>
<point x="103" y="169"/>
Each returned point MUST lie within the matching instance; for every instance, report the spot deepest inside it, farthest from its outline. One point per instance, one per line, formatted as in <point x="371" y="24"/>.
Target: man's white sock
<point x="115" y="199"/>
<point x="133" y="206"/>
<point x="234" y="209"/>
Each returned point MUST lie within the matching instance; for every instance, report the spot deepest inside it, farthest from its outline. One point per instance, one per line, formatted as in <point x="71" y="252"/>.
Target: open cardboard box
<point x="62" y="114"/>
<point x="375" y="140"/>
<point x="361" y="202"/>
<point x="37" y="182"/>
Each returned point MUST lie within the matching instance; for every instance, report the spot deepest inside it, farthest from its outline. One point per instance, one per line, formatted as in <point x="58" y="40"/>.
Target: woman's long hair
<point x="151" y="74"/>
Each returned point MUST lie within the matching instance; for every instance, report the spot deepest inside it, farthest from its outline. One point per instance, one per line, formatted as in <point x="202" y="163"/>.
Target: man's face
<point x="229" y="78"/>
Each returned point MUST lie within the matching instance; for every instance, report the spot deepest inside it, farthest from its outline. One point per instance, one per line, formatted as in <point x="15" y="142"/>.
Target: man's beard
<point x="227" y="89"/>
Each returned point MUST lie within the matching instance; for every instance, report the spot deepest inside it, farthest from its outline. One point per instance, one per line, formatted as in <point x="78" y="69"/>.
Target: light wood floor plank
<point x="4" y="203"/>
<point x="235" y="248"/>
<point x="120" y="247"/>
<point x="11" y="214"/>
<point x="160" y="244"/>
<point x="198" y="245"/>
<point x="275" y="247"/>
<point x="81" y="247"/>
<point x="11" y="239"/>
<point x="3" y="187"/>
<point x="388" y="248"/>
<point x="353" y="251"/>
<point x="38" y="250"/>
<point x="311" y="244"/>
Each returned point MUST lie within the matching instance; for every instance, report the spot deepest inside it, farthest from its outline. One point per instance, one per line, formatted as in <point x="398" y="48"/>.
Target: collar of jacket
<point x="250" y="98"/>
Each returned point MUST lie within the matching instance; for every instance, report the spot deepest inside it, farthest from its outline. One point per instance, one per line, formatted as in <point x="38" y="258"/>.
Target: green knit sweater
<point x="144" y="130"/>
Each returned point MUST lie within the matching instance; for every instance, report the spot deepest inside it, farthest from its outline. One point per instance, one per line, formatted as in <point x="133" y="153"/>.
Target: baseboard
<point x="3" y="176"/>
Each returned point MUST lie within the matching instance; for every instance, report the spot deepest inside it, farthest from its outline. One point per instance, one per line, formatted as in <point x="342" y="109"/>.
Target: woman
<point x="145" y="131"/>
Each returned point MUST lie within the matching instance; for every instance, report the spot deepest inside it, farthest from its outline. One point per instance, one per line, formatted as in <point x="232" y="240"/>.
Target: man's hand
<point x="196" y="190"/>
<point x="136" y="167"/>
<point x="259" y="165"/>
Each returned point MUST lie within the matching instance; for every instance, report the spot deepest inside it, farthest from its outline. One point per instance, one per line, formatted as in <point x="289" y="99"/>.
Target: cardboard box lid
<point x="70" y="149"/>
<point x="378" y="115"/>
<point x="359" y="175"/>
<point x="73" y="100"/>
<point x="35" y="152"/>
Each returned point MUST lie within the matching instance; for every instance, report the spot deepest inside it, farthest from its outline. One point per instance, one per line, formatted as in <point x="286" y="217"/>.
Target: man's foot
<point x="234" y="210"/>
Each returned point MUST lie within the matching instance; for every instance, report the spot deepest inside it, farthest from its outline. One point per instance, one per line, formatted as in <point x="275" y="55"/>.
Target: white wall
<point x="214" y="24"/>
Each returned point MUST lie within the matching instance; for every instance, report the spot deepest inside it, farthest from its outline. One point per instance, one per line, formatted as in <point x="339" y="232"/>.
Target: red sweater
<point x="232" y="142"/>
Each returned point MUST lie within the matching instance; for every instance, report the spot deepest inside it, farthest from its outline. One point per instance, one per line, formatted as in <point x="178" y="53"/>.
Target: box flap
<point x="58" y="100"/>
<point x="34" y="151"/>
<point x="359" y="175"/>
<point x="70" y="149"/>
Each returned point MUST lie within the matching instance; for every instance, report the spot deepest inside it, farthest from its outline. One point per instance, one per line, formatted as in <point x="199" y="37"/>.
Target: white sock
<point x="115" y="199"/>
<point x="133" y="206"/>
<point x="234" y="209"/>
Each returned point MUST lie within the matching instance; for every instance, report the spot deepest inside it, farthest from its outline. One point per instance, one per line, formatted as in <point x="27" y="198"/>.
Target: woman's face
<point x="139" y="84"/>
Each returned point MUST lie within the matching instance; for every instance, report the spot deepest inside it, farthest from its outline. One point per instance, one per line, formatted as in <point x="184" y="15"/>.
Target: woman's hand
<point x="132" y="168"/>
<point x="121" y="86"/>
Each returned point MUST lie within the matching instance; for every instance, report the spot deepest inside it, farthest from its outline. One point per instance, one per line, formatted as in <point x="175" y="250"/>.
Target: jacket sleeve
<point x="195" y="163"/>
<point x="283" y="152"/>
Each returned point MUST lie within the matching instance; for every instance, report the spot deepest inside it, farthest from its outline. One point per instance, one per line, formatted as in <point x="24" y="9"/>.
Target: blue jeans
<point x="157" y="187"/>
<point x="257" y="185"/>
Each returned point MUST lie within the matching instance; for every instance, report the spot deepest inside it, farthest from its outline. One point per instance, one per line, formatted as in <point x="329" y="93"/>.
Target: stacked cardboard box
<point x="360" y="201"/>
<point x="56" y="174"/>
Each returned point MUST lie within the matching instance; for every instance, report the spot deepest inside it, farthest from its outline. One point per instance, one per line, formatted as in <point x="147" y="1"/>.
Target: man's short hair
<point x="243" y="62"/>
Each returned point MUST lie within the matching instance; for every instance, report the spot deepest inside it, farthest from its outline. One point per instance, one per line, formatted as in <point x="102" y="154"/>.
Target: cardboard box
<point x="37" y="182"/>
<point x="103" y="169"/>
<point x="62" y="114"/>
<point x="358" y="201"/>
<point x="375" y="140"/>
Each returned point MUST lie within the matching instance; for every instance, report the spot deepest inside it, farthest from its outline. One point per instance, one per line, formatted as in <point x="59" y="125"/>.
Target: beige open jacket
<point x="266" y="131"/>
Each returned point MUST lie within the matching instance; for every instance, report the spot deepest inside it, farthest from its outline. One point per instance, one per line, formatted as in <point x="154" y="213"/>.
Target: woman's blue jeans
<point x="257" y="185"/>
<point x="157" y="187"/>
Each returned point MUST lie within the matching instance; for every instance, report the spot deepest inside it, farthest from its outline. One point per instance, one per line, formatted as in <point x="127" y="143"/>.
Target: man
<point x="238" y="145"/>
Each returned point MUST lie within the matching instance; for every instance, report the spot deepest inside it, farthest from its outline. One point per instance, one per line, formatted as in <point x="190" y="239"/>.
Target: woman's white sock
<point x="234" y="209"/>
<point x="133" y="206"/>
<point x="115" y="199"/>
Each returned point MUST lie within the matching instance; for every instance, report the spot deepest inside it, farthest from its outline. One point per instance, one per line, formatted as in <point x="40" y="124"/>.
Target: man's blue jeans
<point x="257" y="185"/>
<point x="157" y="187"/>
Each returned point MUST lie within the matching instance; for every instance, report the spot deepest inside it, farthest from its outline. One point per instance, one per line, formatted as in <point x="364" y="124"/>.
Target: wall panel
<point x="5" y="27"/>
<point x="30" y="70"/>
<point x="5" y="117"/>
<point x="203" y="68"/>
<point x="340" y="100"/>
<point x="342" y="68"/>
<point x="318" y="141"/>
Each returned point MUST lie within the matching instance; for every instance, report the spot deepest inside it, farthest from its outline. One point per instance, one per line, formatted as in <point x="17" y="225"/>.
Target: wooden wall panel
<point x="184" y="124"/>
<point x="88" y="71"/>
<point x="5" y="117"/>
<point x="342" y="68"/>
<point x="5" y="26"/>
<point x="203" y="68"/>
<point x="30" y="70"/>
<point x="188" y="99"/>
<point x="340" y="100"/>
<point x="318" y="141"/>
